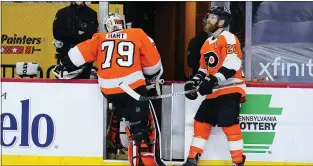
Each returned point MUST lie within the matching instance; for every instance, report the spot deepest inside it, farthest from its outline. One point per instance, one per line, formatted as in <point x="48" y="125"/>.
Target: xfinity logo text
<point x="21" y="130"/>
<point x="285" y="68"/>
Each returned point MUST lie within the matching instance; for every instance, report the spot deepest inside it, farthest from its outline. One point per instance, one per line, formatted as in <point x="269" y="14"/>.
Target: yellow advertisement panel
<point x="27" y="33"/>
<point x="116" y="8"/>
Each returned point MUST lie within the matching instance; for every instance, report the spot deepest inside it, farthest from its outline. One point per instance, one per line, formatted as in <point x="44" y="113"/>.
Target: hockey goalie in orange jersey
<point x="123" y="56"/>
<point x="220" y="64"/>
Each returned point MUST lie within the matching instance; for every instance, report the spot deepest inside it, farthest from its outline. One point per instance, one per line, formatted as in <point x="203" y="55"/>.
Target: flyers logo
<point x="211" y="59"/>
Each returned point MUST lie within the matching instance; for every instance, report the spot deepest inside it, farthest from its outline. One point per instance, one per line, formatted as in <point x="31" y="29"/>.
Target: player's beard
<point x="212" y="27"/>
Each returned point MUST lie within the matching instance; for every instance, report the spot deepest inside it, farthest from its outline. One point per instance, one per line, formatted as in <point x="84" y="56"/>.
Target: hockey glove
<point x="151" y="80"/>
<point x="192" y="84"/>
<point x="66" y="69"/>
<point x="206" y="87"/>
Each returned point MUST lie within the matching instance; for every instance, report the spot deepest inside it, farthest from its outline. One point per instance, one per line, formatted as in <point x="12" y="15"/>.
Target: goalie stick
<point x="138" y="97"/>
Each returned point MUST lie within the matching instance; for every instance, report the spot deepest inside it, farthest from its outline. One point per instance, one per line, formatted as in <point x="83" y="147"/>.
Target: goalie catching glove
<point x="65" y="69"/>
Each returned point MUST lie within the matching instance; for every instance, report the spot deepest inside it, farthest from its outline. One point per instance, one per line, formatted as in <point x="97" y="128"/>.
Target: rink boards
<point x="49" y="122"/>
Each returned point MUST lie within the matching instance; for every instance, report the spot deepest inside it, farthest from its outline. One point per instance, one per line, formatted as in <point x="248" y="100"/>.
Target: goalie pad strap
<point x="142" y="152"/>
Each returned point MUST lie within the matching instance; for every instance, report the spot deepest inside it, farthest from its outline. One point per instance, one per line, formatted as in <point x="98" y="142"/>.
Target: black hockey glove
<point x="151" y="80"/>
<point x="67" y="65"/>
<point x="192" y="84"/>
<point x="65" y="69"/>
<point x="206" y="87"/>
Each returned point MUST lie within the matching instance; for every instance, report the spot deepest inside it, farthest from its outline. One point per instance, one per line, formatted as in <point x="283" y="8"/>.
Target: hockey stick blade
<point x="130" y="91"/>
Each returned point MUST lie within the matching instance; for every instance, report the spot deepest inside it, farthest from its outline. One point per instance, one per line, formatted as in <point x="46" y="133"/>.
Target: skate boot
<point x="192" y="161"/>
<point x="243" y="161"/>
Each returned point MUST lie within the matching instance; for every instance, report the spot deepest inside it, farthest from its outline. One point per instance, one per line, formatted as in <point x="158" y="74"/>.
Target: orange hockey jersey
<point x="223" y="52"/>
<point x="121" y="56"/>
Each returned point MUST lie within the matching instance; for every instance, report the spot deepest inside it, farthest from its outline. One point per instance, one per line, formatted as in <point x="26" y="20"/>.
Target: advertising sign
<point x="27" y="33"/>
<point x="51" y="119"/>
<point x="276" y="123"/>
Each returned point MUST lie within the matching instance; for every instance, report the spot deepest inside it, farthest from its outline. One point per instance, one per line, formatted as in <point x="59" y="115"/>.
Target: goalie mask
<point x="113" y="22"/>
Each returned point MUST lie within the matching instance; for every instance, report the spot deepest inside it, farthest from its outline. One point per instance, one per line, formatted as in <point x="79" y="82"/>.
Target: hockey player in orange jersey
<point x="220" y="64"/>
<point x="128" y="56"/>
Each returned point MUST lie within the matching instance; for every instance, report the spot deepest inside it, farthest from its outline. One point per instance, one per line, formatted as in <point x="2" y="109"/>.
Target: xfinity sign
<point x="286" y="68"/>
<point x="21" y="130"/>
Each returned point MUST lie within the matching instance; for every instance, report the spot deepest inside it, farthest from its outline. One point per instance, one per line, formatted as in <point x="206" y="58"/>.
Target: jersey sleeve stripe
<point x="152" y="69"/>
<point x="232" y="62"/>
<point x="76" y="57"/>
<point x="220" y="77"/>
<point x="115" y="82"/>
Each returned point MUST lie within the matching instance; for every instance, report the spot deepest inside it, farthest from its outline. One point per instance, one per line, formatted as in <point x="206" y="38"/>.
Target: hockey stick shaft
<point x="196" y="90"/>
<point x="138" y="97"/>
<point x="243" y="82"/>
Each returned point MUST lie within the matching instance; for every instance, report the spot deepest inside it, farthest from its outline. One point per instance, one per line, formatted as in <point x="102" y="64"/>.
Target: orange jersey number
<point x="231" y="49"/>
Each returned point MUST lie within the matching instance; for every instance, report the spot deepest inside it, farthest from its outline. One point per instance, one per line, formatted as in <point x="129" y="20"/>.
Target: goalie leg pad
<point x="141" y="144"/>
<point x="137" y="158"/>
